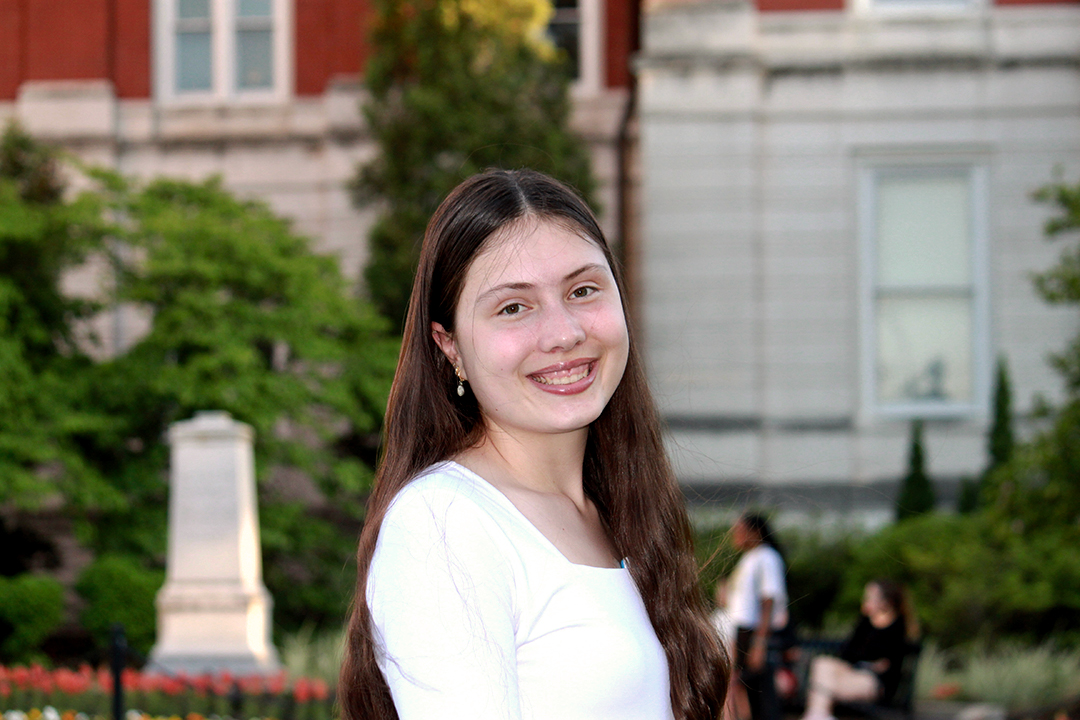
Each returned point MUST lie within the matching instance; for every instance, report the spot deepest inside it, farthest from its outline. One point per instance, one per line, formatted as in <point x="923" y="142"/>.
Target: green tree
<point x="42" y="361"/>
<point x="999" y="440"/>
<point x="971" y="582"/>
<point x="240" y="316"/>
<point x="456" y="86"/>
<point x="1033" y="500"/>
<point x="916" y="494"/>
<point x="1038" y="488"/>
<point x="245" y="318"/>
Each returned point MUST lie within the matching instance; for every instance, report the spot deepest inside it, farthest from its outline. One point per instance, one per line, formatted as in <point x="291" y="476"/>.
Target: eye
<point x="511" y="309"/>
<point x="583" y="291"/>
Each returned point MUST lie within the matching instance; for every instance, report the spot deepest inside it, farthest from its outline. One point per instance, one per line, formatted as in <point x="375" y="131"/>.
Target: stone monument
<point x="213" y="611"/>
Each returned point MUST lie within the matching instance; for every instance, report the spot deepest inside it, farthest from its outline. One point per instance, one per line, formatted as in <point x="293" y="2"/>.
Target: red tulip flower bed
<point x="88" y="692"/>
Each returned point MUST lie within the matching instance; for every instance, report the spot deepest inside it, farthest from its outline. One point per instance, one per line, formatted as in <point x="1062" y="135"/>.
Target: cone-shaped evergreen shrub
<point x="916" y="495"/>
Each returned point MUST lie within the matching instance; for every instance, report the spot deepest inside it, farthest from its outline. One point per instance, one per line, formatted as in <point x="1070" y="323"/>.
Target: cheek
<point x="497" y="353"/>
<point x="606" y="321"/>
<point x="610" y="328"/>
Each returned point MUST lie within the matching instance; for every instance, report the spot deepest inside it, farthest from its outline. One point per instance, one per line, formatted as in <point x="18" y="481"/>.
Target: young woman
<point x="868" y="668"/>
<point x="526" y="551"/>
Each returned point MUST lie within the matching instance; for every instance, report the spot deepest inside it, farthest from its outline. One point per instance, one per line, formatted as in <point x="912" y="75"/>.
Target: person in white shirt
<point x="757" y="605"/>
<point x="526" y="553"/>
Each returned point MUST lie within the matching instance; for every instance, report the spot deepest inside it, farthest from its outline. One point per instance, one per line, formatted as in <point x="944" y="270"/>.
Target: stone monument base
<point x="210" y="627"/>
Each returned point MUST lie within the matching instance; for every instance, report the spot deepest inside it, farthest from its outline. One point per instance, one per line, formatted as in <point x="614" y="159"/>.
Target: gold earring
<point x="460" y="382"/>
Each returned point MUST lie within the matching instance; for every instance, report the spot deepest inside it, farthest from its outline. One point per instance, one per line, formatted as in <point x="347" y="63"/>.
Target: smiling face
<point x="539" y="331"/>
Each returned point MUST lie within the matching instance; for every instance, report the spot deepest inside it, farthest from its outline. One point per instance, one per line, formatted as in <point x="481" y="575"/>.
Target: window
<point x="924" y="279"/>
<point x="920" y="7"/>
<point x="575" y="27"/>
<point x="222" y="50"/>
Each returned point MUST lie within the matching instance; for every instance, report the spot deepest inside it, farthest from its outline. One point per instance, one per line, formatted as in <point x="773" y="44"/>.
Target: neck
<point x="545" y="463"/>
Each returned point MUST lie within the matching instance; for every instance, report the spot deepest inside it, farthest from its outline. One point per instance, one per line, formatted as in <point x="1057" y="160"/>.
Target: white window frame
<point x="223" y="88"/>
<point x="977" y="172"/>
<point x="916" y="8"/>
<point x="590" y="61"/>
<point x="590" y="81"/>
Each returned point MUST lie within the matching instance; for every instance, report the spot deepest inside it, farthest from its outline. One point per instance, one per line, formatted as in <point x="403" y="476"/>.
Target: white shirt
<point x="721" y="621"/>
<point x="759" y="574"/>
<point x="477" y="615"/>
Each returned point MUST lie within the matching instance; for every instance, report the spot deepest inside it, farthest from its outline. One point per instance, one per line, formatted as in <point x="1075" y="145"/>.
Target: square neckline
<point x="507" y="503"/>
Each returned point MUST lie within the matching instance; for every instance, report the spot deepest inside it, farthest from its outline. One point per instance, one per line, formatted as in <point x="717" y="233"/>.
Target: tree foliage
<point x="1039" y="488"/>
<point x="42" y="366"/>
<point x="1001" y="439"/>
<point x="246" y="319"/>
<point x="240" y="316"/>
<point x="119" y="589"/>
<point x="456" y="86"/>
<point x="31" y="607"/>
<point x="971" y="582"/>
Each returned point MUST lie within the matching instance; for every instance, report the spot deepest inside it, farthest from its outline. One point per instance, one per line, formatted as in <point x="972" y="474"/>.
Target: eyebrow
<point x="528" y="286"/>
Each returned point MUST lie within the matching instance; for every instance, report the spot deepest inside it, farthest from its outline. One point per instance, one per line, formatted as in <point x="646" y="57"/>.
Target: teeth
<point x="566" y="379"/>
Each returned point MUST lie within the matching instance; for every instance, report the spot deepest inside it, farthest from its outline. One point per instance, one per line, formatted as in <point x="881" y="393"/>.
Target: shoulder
<point x="446" y="509"/>
<point x="439" y="492"/>
<point x="764" y="555"/>
<point x="772" y="558"/>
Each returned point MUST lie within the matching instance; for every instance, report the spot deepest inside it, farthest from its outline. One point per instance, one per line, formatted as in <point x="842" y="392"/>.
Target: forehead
<point x="531" y="251"/>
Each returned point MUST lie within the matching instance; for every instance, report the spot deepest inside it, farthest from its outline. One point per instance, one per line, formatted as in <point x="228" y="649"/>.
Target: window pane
<point x="192" y="61"/>
<point x="923" y="230"/>
<point x="193" y="9"/>
<point x="565" y="36"/>
<point x="924" y="349"/>
<point x="254" y="8"/>
<point x="254" y="59"/>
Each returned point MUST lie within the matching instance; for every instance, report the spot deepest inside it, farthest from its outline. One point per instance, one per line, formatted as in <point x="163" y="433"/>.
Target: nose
<point x="560" y="330"/>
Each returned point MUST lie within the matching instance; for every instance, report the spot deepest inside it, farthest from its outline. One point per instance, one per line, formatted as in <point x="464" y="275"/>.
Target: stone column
<point x="214" y="612"/>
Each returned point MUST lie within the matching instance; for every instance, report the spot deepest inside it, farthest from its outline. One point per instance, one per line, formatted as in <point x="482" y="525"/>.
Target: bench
<point x="900" y="706"/>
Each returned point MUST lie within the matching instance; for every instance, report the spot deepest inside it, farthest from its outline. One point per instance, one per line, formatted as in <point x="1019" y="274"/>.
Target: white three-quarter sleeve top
<point x="477" y="615"/>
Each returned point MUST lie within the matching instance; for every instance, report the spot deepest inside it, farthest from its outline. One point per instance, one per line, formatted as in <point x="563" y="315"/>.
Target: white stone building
<point x="838" y="234"/>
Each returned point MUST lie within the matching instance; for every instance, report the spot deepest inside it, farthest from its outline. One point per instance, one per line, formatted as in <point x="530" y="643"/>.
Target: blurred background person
<point x="868" y="669"/>
<point x="757" y="605"/>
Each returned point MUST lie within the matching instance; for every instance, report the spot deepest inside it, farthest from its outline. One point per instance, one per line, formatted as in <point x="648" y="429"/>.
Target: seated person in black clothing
<point x="868" y="669"/>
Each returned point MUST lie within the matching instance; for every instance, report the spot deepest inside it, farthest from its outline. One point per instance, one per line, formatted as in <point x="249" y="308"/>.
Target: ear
<point x="445" y="341"/>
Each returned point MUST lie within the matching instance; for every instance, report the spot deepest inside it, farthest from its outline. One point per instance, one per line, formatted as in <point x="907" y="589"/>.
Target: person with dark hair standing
<point x="526" y="551"/>
<point x="757" y="605"/>
<point x="868" y="668"/>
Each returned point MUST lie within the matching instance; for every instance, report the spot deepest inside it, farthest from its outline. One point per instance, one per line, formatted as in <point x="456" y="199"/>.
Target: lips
<point x="566" y="378"/>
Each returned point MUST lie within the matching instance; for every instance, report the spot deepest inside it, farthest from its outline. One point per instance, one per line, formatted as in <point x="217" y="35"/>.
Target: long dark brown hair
<point x="626" y="471"/>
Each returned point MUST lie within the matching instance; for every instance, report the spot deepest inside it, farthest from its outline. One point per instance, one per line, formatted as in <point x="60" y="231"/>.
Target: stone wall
<point x="755" y="128"/>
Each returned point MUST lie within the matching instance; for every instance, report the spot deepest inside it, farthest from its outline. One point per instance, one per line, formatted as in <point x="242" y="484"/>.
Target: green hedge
<point x="33" y="607"/>
<point x="118" y="589"/>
